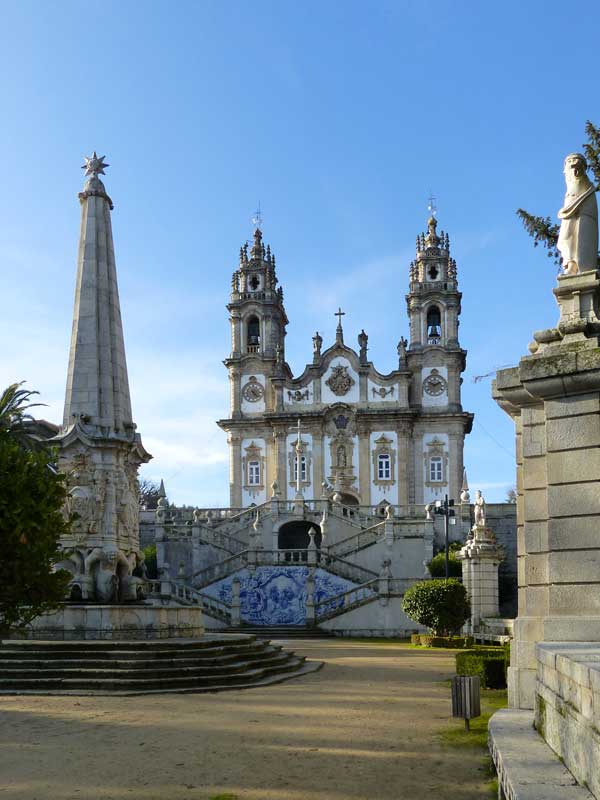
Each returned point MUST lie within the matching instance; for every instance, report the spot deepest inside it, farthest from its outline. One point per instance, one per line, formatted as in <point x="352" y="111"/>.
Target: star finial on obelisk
<point x="94" y="164"/>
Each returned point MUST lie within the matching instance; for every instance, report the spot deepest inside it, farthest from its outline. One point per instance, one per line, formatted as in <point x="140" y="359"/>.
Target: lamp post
<point x="445" y="507"/>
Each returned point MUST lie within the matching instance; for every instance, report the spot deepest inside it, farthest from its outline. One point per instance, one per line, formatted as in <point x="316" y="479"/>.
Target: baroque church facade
<point x="360" y="436"/>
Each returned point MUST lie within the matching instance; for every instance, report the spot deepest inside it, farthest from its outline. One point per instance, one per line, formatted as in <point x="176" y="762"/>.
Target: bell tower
<point x="436" y="361"/>
<point x="258" y="322"/>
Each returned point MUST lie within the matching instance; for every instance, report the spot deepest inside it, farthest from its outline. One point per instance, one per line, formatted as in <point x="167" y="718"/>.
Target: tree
<point x="32" y="497"/>
<point x="511" y="495"/>
<point x="149" y="493"/>
<point x="32" y="520"/>
<point x="150" y="560"/>
<point x="543" y="230"/>
<point x="14" y="416"/>
<point x="442" y="606"/>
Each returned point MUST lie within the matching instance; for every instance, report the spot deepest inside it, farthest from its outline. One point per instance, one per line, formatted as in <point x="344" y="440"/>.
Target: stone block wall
<point x="567" y="708"/>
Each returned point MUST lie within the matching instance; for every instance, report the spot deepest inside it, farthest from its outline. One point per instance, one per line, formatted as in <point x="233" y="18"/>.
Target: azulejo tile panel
<point x="277" y="595"/>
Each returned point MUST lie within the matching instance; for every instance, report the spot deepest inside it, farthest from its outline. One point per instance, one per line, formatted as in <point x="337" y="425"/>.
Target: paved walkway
<point x="362" y="728"/>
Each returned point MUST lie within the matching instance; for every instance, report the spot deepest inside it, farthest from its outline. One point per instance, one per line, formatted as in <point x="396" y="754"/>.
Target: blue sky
<point x="339" y="117"/>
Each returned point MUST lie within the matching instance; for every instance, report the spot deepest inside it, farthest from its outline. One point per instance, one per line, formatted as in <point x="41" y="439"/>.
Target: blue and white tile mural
<point x="277" y="595"/>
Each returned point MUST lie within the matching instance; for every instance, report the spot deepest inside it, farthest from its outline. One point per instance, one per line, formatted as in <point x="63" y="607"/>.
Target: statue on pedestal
<point x="479" y="510"/>
<point x="578" y="236"/>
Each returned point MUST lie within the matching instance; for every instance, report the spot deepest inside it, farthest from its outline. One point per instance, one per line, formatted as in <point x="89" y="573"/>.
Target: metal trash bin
<point x="466" y="697"/>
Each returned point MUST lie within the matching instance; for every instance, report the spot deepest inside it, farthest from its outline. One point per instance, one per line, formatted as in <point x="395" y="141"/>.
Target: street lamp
<point x="445" y="507"/>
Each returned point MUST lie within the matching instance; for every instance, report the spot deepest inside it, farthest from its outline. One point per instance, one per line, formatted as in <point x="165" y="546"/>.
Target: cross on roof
<point x="339" y="314"/>
<point x="432" y="205"/>
<point x="257" y="218"/>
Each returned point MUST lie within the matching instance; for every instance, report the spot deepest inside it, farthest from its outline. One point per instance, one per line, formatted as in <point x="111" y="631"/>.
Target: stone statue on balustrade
<point x="479" y="510"/>
<point x="578" y="236"/>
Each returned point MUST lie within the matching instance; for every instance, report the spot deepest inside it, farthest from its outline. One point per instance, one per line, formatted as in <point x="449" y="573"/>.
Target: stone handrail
<point x="346" y="601"/>
<point x="188" y="595"/>
<point x="357" y="541"/>
<point x="346" y="569"/>
<point x="221" y="569"/>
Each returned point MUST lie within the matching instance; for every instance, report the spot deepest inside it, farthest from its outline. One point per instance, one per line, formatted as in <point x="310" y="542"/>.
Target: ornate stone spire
<point x="97" y="382"/>
<point x="100" y="451"/>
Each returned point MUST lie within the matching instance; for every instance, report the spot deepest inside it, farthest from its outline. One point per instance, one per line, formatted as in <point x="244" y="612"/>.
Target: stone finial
<point x="465" y="496"/>
<point x="94" y="165"/>
<point x="317" y="344"/>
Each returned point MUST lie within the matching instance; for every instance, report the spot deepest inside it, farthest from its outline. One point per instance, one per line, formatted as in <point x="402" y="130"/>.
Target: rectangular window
<point x="253" y="473"/>
<point x="435" y="469"/>
<point x="302" y="469"/>
<point x="384" y="472"/>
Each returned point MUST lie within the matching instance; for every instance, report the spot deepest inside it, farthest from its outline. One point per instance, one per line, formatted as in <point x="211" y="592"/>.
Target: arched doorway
<point x="293" y="536"/>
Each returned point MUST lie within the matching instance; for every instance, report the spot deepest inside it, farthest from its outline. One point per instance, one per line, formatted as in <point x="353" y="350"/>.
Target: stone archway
<point x="294" y="535"/>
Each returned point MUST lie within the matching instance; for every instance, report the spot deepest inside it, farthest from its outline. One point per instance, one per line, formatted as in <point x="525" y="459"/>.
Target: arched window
<point x="253" y="337"/>
<point x="434" y="325"/>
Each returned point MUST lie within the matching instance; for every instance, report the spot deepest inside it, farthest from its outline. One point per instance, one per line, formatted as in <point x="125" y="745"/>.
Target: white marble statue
<point x="578" y="237"/>
<point x="479" y="510"/>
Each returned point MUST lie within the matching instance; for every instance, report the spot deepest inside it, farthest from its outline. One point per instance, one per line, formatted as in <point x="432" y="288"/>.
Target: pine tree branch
<point x="543" y="231"/>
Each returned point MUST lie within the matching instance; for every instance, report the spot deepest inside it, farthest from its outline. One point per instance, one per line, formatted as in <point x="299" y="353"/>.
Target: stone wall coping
<point x="528" y="769"/>
<point x="577" y="660"/>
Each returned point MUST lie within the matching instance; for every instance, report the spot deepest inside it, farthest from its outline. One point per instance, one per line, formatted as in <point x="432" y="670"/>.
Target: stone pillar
<point x="235" y="470"/>
<point x="364" y="464"/>
<point x="554" y="397"/>
<point x="317" y="464"/>
<point x="480" y="561"/>
<point x="282" y="482"/>
<point x="235" y="603"/>
<point x="402" y="467"/>
<point x="310" y="599"/>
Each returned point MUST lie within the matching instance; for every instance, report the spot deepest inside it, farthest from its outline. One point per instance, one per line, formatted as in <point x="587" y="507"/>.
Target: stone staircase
<point x="211" y="664"/>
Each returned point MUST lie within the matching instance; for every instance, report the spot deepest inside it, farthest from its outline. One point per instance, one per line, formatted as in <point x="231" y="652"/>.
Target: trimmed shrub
<point x="437" y="565"/>
<point x="453" y="642"/>
<point x="489" y="665"/>
<point x="415" y="638"/>
<point x="440" y="605"/>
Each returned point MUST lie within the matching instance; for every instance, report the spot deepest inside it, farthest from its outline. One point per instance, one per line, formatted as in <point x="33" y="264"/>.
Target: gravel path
<point x="362" y="728"/>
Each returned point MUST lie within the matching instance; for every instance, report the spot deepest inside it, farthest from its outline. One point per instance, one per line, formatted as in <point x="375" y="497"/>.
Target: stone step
<point x="285" y="632"/>
<point x="132" y="667"/>
<point x="135" y="671"/>
<point x="128" y="683"/>
<point x="137" y="663"/>
<point x="10" y="651"/>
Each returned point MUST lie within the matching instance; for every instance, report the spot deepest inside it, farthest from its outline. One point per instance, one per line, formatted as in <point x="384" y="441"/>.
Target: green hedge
<point x="490" y="665"/>
<point x="454" y="642"/>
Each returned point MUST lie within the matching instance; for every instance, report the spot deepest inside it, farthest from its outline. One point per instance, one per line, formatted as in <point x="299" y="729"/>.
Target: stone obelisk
<point x="100" y="451"/>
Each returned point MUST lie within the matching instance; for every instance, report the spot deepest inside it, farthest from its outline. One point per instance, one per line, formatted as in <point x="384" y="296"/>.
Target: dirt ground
<point x="362" y="728"/>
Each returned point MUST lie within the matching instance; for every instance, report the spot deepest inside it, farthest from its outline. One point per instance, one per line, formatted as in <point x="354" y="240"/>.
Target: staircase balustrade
<point x="358" y="541"/>
<point x="346" y="601"/>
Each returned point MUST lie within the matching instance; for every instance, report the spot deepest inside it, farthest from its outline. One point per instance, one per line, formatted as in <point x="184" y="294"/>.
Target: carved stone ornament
<point x="434" y="384"/>
<point x="296" y="396"/>
<point x="382" y="391"/>
<point x="340" y="382"/>
<point x="253" y="391"/>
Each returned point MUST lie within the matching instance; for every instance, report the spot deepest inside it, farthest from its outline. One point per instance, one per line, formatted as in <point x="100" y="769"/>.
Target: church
<point x="370" y="439"/>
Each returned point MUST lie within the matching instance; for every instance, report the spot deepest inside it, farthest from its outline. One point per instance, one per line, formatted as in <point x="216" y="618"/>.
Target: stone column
<point x="235" y="603"/>
<point x="364" y="463"/>
<point x="402" y="467"/>
<point x="554" y="397"/>
<point x="317" y="464"/>
<point x="235" y="469"/>
<point x="480" y="561"/>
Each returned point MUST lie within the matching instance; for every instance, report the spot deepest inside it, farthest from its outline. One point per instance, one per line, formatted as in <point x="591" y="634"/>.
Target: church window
<point x="253" y="473"/>
<point x="253" y="335"/>
<point x="384" y="471"/>
<point x="302" y="469"/>
<point x="254" y="282"/>
<point x="434" y="325"/>
<point x="435" y="469"/>
<point x="433" y="273"/>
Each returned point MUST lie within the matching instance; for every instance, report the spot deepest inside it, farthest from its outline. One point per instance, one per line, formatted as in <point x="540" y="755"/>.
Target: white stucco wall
<point x="290" y="445"/>
<point x="352" y="396"/>
<point x="259" y="405"/>
<point x="290" y="402"/>
<point x="436" y="492"/>
<point x="379" y="493"/>
<point x="432" y="401"/>
<point x="256" y="495"/>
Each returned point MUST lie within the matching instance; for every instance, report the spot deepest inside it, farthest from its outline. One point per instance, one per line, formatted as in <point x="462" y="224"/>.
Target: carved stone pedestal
<point x="481" y="558"/>
<point x="553" y="397"/>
